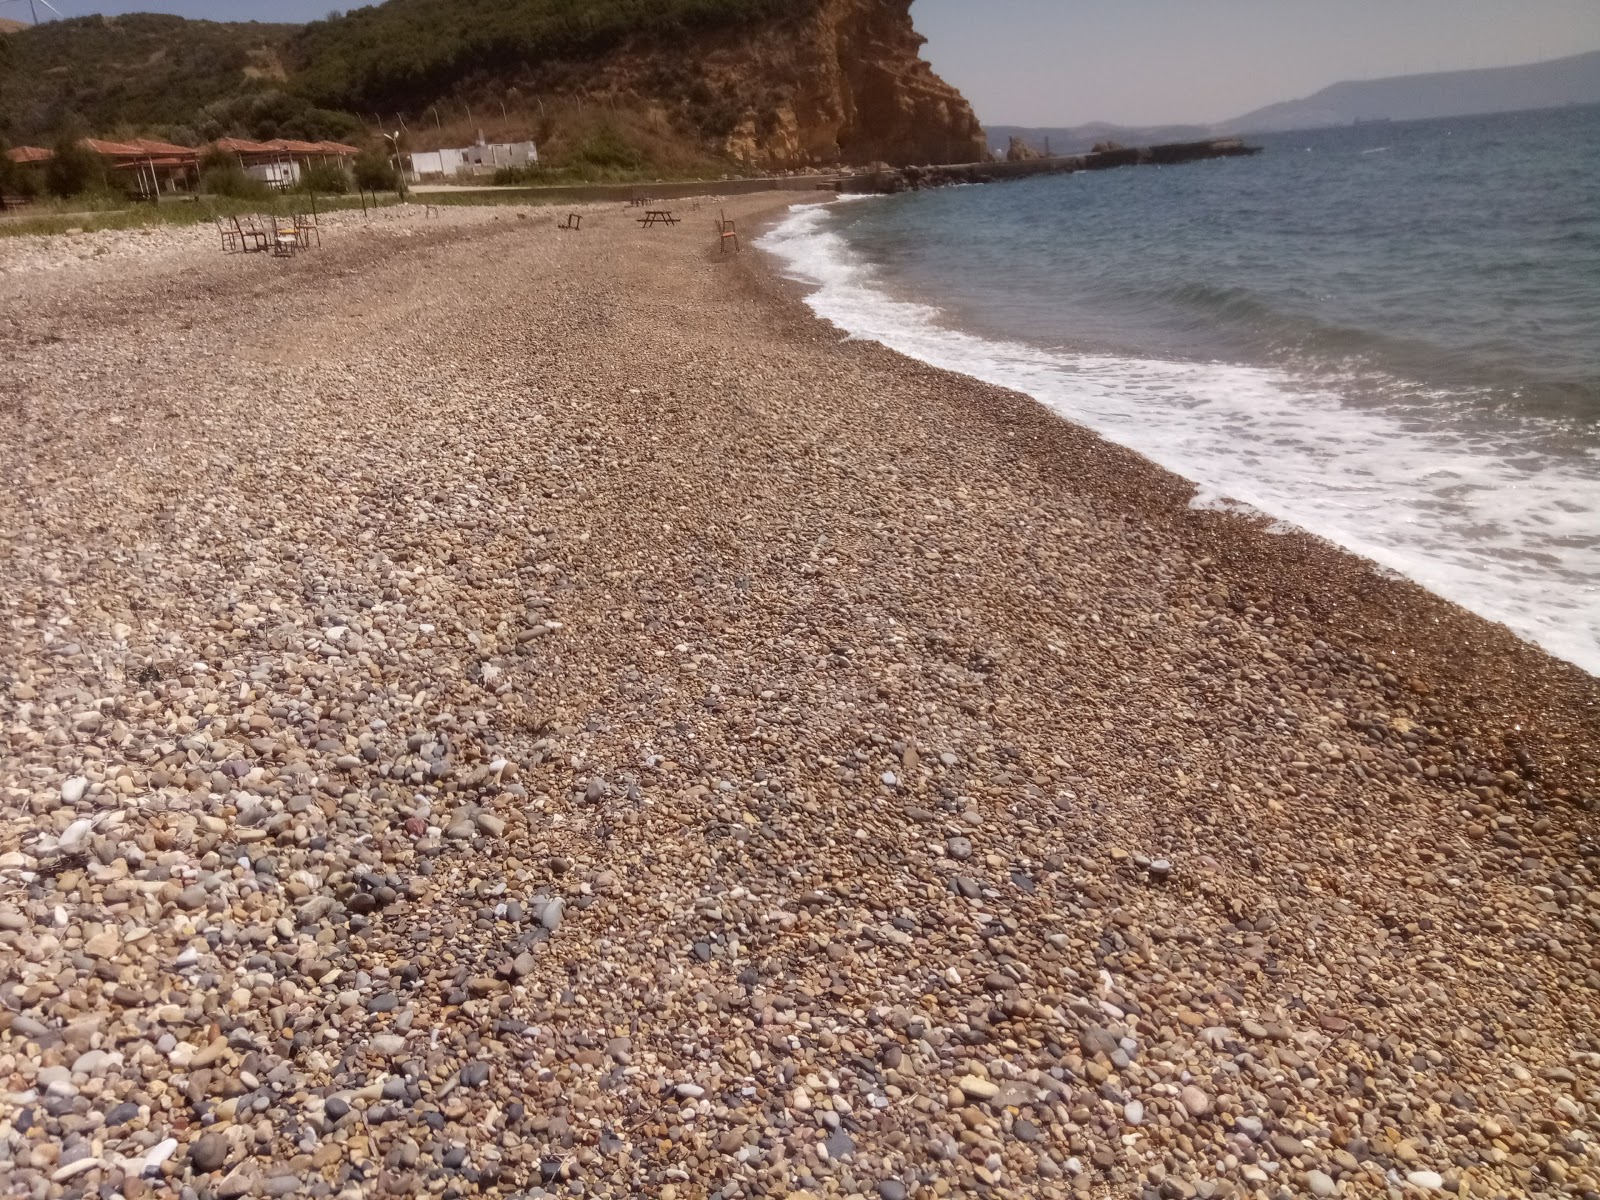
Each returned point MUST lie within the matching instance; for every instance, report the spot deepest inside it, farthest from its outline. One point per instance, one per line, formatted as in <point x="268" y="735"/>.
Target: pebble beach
<point x="488" y="710"/>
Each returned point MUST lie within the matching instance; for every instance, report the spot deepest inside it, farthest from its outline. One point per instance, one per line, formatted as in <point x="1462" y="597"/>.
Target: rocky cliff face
<point x="834" y="81"/>
<point x="859" y="92"/>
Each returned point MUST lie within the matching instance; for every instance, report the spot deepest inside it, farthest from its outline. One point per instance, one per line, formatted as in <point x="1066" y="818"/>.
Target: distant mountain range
<point x="1562" y="81"/>
<point x="1574" y="80"/>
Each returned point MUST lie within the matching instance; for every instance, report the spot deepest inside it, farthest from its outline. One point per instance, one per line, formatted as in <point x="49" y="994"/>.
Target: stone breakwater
<point x="498" y="712"/>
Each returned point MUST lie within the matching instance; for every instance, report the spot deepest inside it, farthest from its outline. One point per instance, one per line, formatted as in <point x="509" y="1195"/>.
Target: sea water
<point x="1387" y="335"/>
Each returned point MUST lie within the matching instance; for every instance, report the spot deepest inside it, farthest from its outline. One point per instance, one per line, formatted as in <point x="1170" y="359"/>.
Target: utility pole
<point x="399" y="166"/>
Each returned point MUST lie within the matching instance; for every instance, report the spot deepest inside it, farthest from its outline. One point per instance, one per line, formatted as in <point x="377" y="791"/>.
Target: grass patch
<point x="56" y="217"/>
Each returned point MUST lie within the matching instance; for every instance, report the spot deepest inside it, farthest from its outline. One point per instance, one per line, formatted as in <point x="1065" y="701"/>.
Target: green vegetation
<point x="511" y="67"/>
<point x="229" y="180"/>
<point x="74" y="170"/>
<point x="145" y="70"/>
<point x="390" y="55"/>
<point x="325" y="179"/>
<point x="58" y="216"/>
<point x="374" y="172"/>
<point x="14" y="181"/>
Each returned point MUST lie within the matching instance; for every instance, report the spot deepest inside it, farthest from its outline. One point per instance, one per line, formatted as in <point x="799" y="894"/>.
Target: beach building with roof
<point x="152" y="166"/>
<point x="279" y="163"/>
<point x="31" y="159"/>
<point x="155" y="166"/>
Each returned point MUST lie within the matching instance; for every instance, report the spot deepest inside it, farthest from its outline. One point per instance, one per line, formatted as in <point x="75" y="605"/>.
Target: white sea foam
<point x="1515" y="537"/>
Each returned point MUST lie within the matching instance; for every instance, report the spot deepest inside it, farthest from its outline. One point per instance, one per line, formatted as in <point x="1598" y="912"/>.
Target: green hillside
<point x="155" y="72"/>
<point x="404" y="53"/>
<point x="142" y="70"/>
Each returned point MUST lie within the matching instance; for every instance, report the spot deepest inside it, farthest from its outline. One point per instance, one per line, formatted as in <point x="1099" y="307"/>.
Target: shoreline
<point x="498" y="708"/>
<point x="1457" y="653"/>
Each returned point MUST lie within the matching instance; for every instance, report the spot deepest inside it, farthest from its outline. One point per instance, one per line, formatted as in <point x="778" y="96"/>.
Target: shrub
<point x="375" y="173"/>
<point x="517" y="176"/>
<point x="327" y="179"/>
<point x="75" y="169"/>
<point x="14" y="181"/>
<point x="213" y="159"/>
<point x="606" y="148"/>
<point x="228" y="179"/>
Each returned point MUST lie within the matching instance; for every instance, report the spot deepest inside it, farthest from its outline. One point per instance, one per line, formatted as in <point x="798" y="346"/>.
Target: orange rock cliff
<point x="830" y="82"/>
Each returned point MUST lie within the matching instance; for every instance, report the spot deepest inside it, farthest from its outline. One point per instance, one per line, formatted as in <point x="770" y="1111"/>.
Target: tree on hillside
<point x="7" y="59"/>
<point x="74" y="169"/>
<point x="374" y="172"/>
<point x="14" y="181"/>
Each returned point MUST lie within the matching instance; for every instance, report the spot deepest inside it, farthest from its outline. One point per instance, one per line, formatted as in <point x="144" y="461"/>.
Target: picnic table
<point x="657" y="216"/>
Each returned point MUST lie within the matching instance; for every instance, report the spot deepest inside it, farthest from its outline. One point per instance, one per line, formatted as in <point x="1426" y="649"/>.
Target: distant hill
<point x="1078" y="139"/>
<point x="1574" y="80"/>
<point x="142" y="70"/>
<point x="7" y="25"/>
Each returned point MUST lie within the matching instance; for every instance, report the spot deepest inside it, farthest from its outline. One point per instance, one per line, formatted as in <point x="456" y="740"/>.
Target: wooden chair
<point x="573" y="222"/>
<point x="251" y="236"/>
<point x="727" y="233"/>
<point x="232" y="237"/>
<point x="306" y="227"/>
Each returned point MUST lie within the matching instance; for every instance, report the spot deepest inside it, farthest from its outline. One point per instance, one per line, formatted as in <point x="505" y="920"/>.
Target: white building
<point x="282" y="174"/>
<point x="484" y="158"/>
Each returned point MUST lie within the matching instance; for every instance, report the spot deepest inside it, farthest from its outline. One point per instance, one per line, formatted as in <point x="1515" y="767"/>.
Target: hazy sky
<point x="1066" y="62"/>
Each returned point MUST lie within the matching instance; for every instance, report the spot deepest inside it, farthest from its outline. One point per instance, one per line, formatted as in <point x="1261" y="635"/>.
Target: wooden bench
<point x="657" y="216"/>
<point x="11" y="203"/>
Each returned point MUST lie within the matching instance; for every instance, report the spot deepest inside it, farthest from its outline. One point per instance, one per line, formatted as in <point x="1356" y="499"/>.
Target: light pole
<point x="399" y="166"/>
